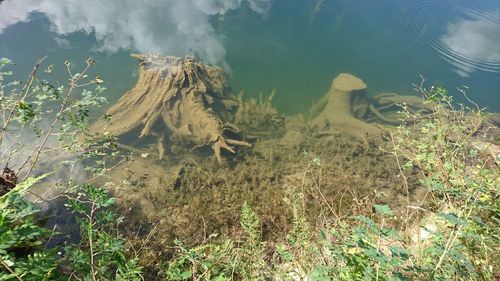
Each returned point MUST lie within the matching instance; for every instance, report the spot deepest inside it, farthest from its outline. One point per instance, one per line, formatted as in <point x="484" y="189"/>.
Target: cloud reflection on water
<point x="472" y="43"/>
<point x="179" y="27"/>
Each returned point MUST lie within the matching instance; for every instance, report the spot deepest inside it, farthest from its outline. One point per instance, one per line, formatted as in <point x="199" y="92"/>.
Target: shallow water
<point x="293" y="46"/>
<point x="171" y="186"/>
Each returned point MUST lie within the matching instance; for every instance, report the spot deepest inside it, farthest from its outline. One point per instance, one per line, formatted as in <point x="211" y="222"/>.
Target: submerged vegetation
<point x="295" y="206"/>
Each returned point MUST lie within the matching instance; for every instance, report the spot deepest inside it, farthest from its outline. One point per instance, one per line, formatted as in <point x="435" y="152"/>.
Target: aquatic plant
<point x="258" y="117"/>
<point x="451" y="235"/>
<point x="225" y="260"/>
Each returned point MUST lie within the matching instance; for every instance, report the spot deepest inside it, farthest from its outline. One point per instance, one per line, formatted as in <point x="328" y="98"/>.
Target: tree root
<point x="181" y="96"/>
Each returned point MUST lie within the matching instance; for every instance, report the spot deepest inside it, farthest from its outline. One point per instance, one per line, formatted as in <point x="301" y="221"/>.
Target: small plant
<point x="39" y="119"/>
<point x="22" y="252"/>
<point x="298" y="254"/>
<point x="55" y="119"/>
<point x="226" y="260"/>
<point x="212" y="261"/>
<point x="463" y="183"/>
<point x="100" y="254"/>
<point x="251" y="250"/>
<point x="373" y="251"/>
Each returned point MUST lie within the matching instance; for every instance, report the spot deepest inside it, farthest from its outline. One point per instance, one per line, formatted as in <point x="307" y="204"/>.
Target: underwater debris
<point x="490" y="129"/>
<point x="388" y="106"/>
<point x="259" y="118"/>
<point x="180" y="97"/>
<point x="415" y="103"/>
<point x="8" y="180"/>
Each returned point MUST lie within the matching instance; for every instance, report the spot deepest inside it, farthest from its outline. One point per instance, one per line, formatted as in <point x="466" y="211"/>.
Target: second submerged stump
<point x="340" y="107"/>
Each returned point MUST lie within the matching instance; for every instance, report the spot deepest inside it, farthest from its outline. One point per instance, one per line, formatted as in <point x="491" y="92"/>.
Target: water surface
<point x="293" y="46"/>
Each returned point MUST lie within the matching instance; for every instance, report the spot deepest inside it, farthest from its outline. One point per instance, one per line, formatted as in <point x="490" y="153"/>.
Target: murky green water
<point x="293" y="46"/>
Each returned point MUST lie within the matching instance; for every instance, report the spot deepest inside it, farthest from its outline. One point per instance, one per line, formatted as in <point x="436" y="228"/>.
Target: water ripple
<point x="467" y="38"/>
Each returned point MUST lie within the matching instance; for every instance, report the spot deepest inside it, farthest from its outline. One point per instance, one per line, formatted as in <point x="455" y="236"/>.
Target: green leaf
<point x="286" y="255"/>
<point x="26" y="111"/>
<point x="22" y="188"/>
<point x="186" y="275"/>
<point x="399" y="252"/>
<point x="4" y="61"/>
<point x="453" y="218"/>
<point x="320" y="273"/>
<point x="8" y="277"/>
<point x="383" y="210"/>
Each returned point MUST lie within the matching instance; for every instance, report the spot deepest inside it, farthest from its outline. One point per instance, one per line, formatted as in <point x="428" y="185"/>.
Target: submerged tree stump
<point x="347" y="109"/>
<point x="341" y="107"/>
<point x="180" y="96"/>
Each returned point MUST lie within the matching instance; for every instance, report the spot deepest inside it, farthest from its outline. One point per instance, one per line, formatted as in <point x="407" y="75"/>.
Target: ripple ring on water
<point x="466" y="51"/>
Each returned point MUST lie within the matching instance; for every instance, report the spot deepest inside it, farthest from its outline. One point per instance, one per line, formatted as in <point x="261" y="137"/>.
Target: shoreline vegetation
<point x="182" y="179"/>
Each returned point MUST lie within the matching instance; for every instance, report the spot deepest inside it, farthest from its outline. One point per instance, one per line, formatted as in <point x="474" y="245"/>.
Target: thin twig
<point x="25" y="91"/>
<point x="11" y="271"/>
<point x="38" y="149"/>
<point x="90" y="234"/>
